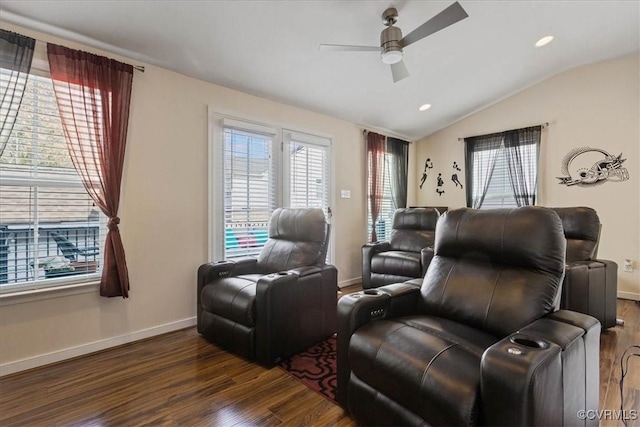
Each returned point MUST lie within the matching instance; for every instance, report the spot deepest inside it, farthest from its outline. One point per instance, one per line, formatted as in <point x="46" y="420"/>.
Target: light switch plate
<point x="345" y="194"/>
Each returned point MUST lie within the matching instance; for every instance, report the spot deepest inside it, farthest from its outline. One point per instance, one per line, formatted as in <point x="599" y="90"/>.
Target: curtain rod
<point x="366" y="131"/>
<point x="135" y="67"/>
<point x="543" y="125"/>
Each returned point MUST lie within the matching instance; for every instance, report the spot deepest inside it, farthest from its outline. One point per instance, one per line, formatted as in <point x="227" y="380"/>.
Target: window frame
<point x="501" y="162"/>
<point x="215" y="178"/>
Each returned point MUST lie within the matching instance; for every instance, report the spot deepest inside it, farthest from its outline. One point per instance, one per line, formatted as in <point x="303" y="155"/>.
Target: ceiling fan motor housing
<point x="390" y="45"/>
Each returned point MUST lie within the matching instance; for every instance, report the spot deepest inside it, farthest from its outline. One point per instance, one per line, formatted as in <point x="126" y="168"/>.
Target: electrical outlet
<point x="628" y="266"/>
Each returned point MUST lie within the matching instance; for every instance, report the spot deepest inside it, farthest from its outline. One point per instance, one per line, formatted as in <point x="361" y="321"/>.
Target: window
<point x="263" y="168"/>
<point x="387" y="206"/>
<point x="502" y="168"/>
<point x="249" y="190"/>
<point x="387" y="168"/>
<point x="308" y="169"/>
<point x="50" y="231"/>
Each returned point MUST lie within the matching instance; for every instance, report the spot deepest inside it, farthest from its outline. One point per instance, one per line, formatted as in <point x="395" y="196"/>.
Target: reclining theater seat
<point x="407" y="253"/>
<point x="481" y="342"/>
<point x="278" y="304"/>
<point x="590" y="285"/>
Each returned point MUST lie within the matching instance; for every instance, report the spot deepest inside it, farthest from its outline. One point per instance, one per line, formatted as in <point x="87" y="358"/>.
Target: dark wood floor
<point x="181" y="379"/>
<point x="613" y="343"/>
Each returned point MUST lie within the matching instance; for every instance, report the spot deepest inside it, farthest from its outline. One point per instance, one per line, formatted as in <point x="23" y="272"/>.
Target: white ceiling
<point x="270" y="49"/>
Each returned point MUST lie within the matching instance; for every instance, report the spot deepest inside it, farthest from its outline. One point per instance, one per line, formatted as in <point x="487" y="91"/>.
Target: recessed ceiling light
<point x="424" y="107"/>
<point x="544" y="41"/>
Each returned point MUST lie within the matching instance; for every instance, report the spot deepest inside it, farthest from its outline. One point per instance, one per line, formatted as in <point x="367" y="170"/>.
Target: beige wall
<point x="591" y="106"/>
<point x="164" y="215"/>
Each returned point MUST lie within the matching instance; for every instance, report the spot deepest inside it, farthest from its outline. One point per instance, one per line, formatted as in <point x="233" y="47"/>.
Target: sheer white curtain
<point x="16" y="55"/>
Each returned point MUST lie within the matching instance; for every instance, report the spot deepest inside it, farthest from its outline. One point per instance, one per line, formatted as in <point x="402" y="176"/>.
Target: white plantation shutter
<point x="249" y="187"/>
<point x="308" y="168"/>
<point x="41" y="196"/>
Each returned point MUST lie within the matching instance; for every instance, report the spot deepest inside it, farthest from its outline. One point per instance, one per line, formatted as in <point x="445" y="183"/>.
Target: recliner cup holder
<point x="528" y="342"/>
<point x="279" y="274"/>
<point x="372" y="292"/>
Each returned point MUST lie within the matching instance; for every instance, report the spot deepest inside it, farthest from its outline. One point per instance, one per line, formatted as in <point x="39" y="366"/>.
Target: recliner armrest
<point x="355" y="310"/>
<point x="378" y="246"/>
<point x="215" y="270"/>
<point x="591" y="287"/>
<point x="218" y="270"/>
<point x="275" y="295"/>
<point x="246" y="266"/>
<point x="368" y="251"/>
<point x="305" y="271"/>
<point x="528" y="378"/>
<point x="426" y="255"/>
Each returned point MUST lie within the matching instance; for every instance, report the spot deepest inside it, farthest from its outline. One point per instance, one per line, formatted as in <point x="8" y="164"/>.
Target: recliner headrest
<point x="582" y="231"/>
<point x="415" y="219"/>
<point x="299" y="225"/>
<point x="296" y="239"/>
<point x="503" y="236"/>
<point x="579" y="223"/>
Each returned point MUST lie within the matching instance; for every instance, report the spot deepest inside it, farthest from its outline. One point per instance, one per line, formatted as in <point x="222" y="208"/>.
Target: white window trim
<point x="67" y="288"/>
<point x="215" y="174"/>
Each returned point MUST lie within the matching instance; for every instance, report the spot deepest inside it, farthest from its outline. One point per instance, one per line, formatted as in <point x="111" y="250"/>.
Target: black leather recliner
<point x="407" y="253"/>
<point x="481" y="342"/>
<point x="278" y="304"/>
<point x="590" y="284"/>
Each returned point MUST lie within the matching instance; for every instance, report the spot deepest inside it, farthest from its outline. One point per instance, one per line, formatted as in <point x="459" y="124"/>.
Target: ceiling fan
<point x="392" y="42"/>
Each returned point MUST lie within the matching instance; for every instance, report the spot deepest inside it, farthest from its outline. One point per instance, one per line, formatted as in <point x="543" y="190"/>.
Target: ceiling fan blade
<point x="449" y="16"/>
<point x="348" y="48"/>
<point x="399" y="71"/>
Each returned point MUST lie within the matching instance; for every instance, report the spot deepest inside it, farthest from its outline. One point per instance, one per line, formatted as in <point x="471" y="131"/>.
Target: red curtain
<point x="93" y="94"/>
<point x="375" y="162"/>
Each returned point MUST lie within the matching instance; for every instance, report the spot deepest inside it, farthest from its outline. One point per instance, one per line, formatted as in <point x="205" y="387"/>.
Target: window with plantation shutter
<point x="254" y="169"/>
<point x="249" y="190"/>
<point x="308" y="169"/>
<point x="307" y="164"/>
<point x="50" y="231"/>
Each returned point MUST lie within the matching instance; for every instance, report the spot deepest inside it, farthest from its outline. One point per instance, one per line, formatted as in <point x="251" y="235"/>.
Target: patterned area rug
<point x="316" y="368"/>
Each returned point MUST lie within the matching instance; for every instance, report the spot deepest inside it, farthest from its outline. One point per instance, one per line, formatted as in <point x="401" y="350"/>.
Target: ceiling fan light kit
<point x="390" y="45"/>
<point x="392" y="42"/>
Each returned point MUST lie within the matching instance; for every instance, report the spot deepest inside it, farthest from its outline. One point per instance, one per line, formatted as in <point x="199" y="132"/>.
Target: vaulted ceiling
<point x="270" y="49"/>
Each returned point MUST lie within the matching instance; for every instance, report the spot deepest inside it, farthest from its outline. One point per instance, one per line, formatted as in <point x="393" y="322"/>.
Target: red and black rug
<point x="316" y="368"/>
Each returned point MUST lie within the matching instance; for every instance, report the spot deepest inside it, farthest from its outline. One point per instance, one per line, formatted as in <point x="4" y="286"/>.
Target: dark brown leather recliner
<point x="407" y="253"/>
<point x="481" y="343"/>
<point x="590" y="284"/>
<point x="278" y="304"/>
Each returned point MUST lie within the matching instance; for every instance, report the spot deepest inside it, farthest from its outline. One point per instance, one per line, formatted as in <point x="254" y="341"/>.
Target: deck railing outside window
<point x="76" y="251"/>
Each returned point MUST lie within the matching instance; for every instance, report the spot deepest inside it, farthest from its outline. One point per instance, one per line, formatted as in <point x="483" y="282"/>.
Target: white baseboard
<point x="81" y="350"/>
<point x="349" y="282"/>
<point x="629" y="295"/>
